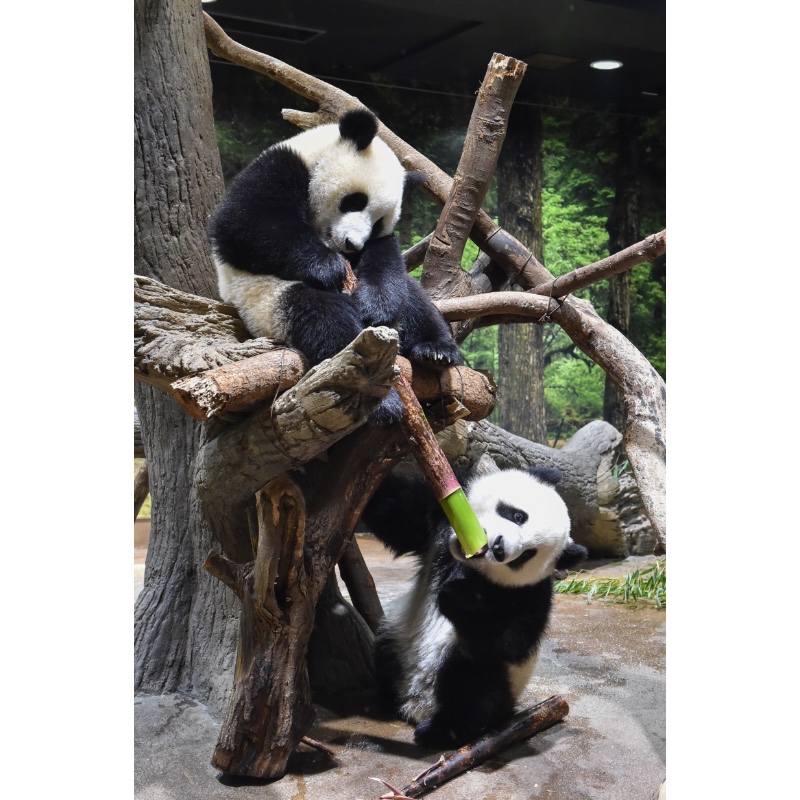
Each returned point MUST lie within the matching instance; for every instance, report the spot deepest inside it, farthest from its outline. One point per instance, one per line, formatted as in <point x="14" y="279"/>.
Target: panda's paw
<point x="388" y="412"/>
<point x="331" y="272"/>
<point x="433" y="735"/>
<point x="436" y="355"/>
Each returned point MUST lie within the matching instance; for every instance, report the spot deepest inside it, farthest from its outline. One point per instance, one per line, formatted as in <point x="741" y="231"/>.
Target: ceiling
<point x="445" y="45"/>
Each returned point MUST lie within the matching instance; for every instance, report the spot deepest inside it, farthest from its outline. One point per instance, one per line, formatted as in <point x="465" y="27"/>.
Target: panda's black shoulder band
<point x="359" y="126"/>
<point x="546" y="475"/>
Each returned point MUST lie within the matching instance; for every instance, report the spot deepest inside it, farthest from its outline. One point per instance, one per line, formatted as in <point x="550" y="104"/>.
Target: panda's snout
<point x="351" y="247"/>
<point x="499" y="549"/>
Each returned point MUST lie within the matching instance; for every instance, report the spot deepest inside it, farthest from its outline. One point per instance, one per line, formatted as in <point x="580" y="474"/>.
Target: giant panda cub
<point x="280" y="237"/>
<point x="456" y="652"/>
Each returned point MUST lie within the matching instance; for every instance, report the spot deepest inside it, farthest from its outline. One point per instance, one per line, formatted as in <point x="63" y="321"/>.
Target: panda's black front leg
<point x="426" y="338"/>
<point x="473" y="697"/>
<point x="319" y="323"/>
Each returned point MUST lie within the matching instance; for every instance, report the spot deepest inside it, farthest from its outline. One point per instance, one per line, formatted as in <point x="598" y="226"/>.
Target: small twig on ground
<point x="521" y="726"/>
<point x="318" y="746"/>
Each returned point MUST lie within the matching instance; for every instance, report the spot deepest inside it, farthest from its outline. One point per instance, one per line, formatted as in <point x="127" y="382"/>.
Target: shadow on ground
<point x="606" y="660"/>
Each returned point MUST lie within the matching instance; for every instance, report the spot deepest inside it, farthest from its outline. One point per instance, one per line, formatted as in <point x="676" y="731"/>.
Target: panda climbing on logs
<point x="457" y="651"/>
<point x="289" y="225"/>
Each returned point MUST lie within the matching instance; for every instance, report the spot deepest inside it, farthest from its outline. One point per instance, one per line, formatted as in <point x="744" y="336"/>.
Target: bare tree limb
<point x="415" y="254"/>
<point x="648" y="249"/>
<point x="442" y="275"/>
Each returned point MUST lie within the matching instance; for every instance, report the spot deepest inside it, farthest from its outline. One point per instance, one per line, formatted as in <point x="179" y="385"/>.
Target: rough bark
<point x="184" y="621"/>
<point x="442" y="275"/>
<point x="246" y="384"/>
<point x="623" y="230"/>
<point x="141" y="488"/>
<point x="332" y="400"/>
<point x="605" y="507"/>
<point x="270" y="708"/>
<point x="520" y="348"/>
<point x="178" y="334"/>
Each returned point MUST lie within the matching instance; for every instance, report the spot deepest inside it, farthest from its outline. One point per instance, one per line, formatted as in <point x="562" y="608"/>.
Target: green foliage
<point x="648" y="584"/>
<point x="573" y="394"/>
<point x="480" y="349"/>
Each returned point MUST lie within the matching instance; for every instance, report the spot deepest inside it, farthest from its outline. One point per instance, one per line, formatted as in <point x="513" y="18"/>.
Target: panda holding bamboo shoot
<point x="292" y="221"/>
<point x="455" y="653"/>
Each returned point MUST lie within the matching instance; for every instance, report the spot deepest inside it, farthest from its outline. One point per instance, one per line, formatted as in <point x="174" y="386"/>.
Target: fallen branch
<point x="522" y="726"/>
<point x="361" y="585"/>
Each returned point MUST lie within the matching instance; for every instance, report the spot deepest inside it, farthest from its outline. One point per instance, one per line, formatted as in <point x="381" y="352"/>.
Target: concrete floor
<point x="606" y="660"/>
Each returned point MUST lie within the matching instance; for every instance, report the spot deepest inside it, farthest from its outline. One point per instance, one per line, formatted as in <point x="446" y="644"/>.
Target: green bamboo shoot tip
<point x="470" y="532"/>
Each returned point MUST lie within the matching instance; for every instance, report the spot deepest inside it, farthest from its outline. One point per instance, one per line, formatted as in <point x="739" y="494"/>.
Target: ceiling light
<point x="606" y="64"/>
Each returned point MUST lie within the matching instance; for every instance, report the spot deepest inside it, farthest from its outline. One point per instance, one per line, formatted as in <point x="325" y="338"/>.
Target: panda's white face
<point x="526" y="523"/>
<point x="355" y="194"/>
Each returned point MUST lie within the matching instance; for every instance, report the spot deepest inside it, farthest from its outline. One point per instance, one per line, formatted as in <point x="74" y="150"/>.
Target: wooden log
<point x="522" y="726"/>
<point x="270" y="708"/>
<point x="245" y="384"/>
<point x="239" y="386"/>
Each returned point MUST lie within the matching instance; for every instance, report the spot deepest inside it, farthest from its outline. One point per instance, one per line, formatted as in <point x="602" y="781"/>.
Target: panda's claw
<point x="436" y="354"/>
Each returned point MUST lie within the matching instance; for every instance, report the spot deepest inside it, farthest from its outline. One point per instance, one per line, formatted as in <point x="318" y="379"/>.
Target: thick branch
<point x="330" y="401"/>
<point x="496" y="303"/>
<point x="176" y="334"/>
<point x="442" y="275"/>
<point x="270" y="708"/>
<point x="239" y="386"/>
<point x="648" y="249"/>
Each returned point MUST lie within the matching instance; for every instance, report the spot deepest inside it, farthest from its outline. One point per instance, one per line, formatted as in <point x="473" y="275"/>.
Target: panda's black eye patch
<point x="357" y="201"/>
<point x="376" y="229"/>
<point x="515" y="515"/>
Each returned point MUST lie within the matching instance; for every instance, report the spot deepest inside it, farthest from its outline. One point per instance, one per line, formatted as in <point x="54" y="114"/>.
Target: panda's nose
<point x="351" y="246"/>
<point x="499" y="549"/>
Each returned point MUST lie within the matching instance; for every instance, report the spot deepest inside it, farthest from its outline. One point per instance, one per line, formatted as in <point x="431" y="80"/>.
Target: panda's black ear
<point x="359" y="126"/>
<point x="546" y="475"/>
<point x="412" y="180"/>
<point x="573" y="555"/>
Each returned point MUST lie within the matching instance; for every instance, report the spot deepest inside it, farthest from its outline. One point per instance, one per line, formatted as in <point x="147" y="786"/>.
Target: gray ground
<point x="607" y="661"/>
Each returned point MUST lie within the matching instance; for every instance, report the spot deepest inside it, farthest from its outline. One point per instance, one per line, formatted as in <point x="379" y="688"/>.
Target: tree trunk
<point x="521" y="347"/>
<point x="623" y="231"/>
<point x="184" y="621"/>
